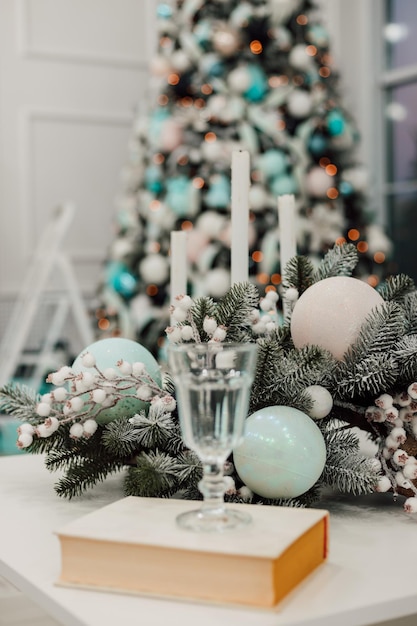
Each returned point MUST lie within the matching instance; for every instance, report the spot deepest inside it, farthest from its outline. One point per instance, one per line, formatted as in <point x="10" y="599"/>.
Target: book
<point x="135" y="546"/>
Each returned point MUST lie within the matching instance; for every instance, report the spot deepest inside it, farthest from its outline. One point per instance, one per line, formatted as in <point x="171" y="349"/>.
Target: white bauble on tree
<point x="299" y="58"/>
<point x="154" y="268"/>
<point x="322" y="401"/>
<point x="217" y="282"/>
<point x="331" y="312"/>
<point x="239" y="79"/>
<point x="282" y="454"/>
<point x="299" y="103"/>
<point x="318" y="182"/>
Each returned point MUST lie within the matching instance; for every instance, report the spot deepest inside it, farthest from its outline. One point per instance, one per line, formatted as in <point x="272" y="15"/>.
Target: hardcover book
<point x="134" y="546"/>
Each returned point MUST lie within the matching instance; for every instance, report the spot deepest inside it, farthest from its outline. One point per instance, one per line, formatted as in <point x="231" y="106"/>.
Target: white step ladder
<point x="49" y="257"/>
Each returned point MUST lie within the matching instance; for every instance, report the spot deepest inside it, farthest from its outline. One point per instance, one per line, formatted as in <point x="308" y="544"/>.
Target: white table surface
<point x="370" y="575"/>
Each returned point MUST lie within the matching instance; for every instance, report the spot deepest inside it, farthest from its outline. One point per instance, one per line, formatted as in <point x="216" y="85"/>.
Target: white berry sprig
<point x="86" y="394"/>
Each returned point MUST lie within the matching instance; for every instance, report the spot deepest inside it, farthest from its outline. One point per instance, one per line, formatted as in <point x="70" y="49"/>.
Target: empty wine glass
<point x="212" y="382"/>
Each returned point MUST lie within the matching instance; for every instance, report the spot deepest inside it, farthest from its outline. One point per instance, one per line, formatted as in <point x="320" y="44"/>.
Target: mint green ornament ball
<point x="107" y="353"/>
<point x="282" y="454"/>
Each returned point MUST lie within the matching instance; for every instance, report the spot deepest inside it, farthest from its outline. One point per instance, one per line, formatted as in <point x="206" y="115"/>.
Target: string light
<point x="173" y="79"/>
<point x="379" y="257"/>
<point x="206" y="89"/>
<point x="103" y="323"/>
<point x="362" y="246"/>
<point x="373" y="280"/>
<point x="210" y="137"/>
<point x="158" y="158"/>
<point x="152" y="290"/>
<point x="277" y="81"/>
<point x="270" y="288"/>
<point x="302" y="19"/>
<point x="187" y="225"/>
<point x="324" y="72"/>
<point x="353" y="234"/>
<point x="331" y="169"/>
<point x="183" y="160"/>
<point x="263" y="278"/>
<point x="340" y="241"/>
<point x="255" y="47"/>
<point x="311" y="50"/>
<point x="276" y="279"/>
<point x="324" y="162"/>
<point x="257" y="256"/>
<point x="332" y="193"/>
<point x="163" y="100"/>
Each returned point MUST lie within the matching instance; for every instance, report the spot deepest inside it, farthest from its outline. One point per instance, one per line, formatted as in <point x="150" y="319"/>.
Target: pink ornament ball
<point x="331" y="312"/>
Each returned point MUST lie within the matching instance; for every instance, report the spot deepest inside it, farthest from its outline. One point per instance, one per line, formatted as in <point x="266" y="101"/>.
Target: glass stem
<point x="212" y="486"/>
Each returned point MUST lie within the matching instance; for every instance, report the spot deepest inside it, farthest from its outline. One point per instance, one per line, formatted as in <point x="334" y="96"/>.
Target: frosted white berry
<point x="229" y="484"/>
<point x="272" y="295"/>
<point x="43" y="409"/>
<point x="398" y="434"/>
<point x="125" y="367"/>
<point x="26" y="428"/>
<point x="76" y="403"/>
<point x="410" y="505"/>
<point x="400" y="457"/>
<point x="88" y="360"/>
<point x="245" y="493"/>
<point x="209" y="325"/>
<point x="412" y="390"/>
<point x="402" y="481"/>
<point x="178" y="314"/>
<point x="322" y="401"/>
<point x="383" y="484"/>
<point x="292" y="294"/>
<point x="410" y="469"/>
<point x="24" y="440"/>
<point x="220" y="333"/>
<point x="184" y="302"/>
<point x="391" y="414"/>
<point x="187" y="333"/>
<point x="173" y="333"/>
<point x="76" y="431"/>
<point x="90" y="426"/>
<point x="98" y="396"/>
<point x="144" y="392"/>
<point x="110" y="373"/>
<point x="384" y="401"/>
<point x="59" y="394"/>
<point x="266" y="304"/>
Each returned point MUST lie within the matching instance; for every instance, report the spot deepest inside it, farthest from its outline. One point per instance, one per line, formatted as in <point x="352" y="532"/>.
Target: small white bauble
<point x="357" y="177"/>
<point x="239" y="79"/>
<point x="180" y="61"/>
<point x="331" y="312"/>
<point x="217" y="282"/>
<point x="213" y="151"/>
<point x="160" y="66"/>
<point x="120" y="248"/>
<point x="318" y="182"/>
<point x="171" y="135"/>
<point x="299" y="103"/>
<point x="225" y="40"/>
<point x="154" y="268"/>
<point x="216" y="105"/>
<point x="258" y="198"/>
<point x="299" y="58"/>
<point x="211" y="224"/>
<point x="322" y="401"/>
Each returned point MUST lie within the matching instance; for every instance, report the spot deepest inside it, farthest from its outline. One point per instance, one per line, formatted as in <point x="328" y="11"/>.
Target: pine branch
<point x="19" y="401"/>
<point x="396" y="288"/>
<point x="351" y="474"/>
<point x="340" y="260"/>
<point x="369" y="377"/>
<point x="409" y="306"/>
<point x="85" y="473"/>
<point x="405" y="354"/>
<point x="383" y="327"/>
<point x="153" y="430"/>
<point x="202" y="308"/>
<point x="155" y="475"/>
<point x="234" y="308"/>
<point x="120" y="439"/>
<point x="298" y="273"/>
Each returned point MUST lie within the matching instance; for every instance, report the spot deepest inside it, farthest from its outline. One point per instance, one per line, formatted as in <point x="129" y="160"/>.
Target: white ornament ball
<point x="239" y="79"/>
<point x="211" y="224"/>
<point x="299" y="58"/>
<point x="225" y="40"/>
<point x="318" y="182"/>
<point x="358" y="177"/>
<point x="283" y="452"/>
<point x="171" y="135"/>
<point x="331" y="312"/>
<point x="322" y="401"/>
<point x="180" y="61"/>
<point x="217" y="282"/>
<point x="160" y="66"/>
<point x="154" y="268"/>
<point x="258" y="198"/>
<point x="299" y="103"/>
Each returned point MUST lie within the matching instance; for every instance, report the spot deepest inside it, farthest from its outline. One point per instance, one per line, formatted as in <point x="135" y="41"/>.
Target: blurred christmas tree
<point x="252" y="75"/>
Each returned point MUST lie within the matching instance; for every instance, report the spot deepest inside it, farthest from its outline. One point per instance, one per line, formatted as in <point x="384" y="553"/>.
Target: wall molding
<point x="27" y="210"/>
<point x="27" y="50"/>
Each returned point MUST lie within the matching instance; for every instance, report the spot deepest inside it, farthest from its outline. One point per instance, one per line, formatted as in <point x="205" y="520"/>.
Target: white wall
<point x="71" y="75"/>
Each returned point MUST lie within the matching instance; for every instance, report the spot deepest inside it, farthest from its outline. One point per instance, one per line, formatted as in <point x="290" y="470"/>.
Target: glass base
<point x="213" y="521"/>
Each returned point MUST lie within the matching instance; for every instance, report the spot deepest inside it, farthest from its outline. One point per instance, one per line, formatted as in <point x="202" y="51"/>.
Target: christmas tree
<point x="256" y="76"/>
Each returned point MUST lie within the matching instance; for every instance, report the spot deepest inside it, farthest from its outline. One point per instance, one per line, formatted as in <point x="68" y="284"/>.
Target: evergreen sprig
<point x="233" y="310"/>
<point x="19" y="401"/>
<point x="340" y="260"/>
<point x="397" y="288"/>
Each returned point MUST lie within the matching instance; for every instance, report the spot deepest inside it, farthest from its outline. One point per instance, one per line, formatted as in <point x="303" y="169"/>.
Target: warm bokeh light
<point x="263" y="278"/>
<point x="362" y="246"/>
<point x="257" y="256"/>
<point x="332" y="193"/>
<point x="103" y="323"/>
<point x="164" y="42"/>
<point x="158" y="158"/>
<point x="277" y="81"/>
<point x="379" y="257"/>
<point x="186" y="225"/>
<point x="183" y="160"/>
<point x="100" y="313"/>
<point x="154" y="247"/>
<point x="173" y="79"/>
<point x="151" y="290"/>
<point x="340" y="240"/>
<point x="255" y="47"/>
<point x="311" y="50"/>
<point x="270" y="288"/>
<point x="198" y="182"/>
<point x="187" y="101"/>
<point x="210" y="137"/>
<point x="206" y="89"/>
<point x="324" y="161"/>
<point x="354" y="234"/>
<point x="373" y="280"/>
<point x="276" y="279"/>
<point x="281" y="125"/>
<point x="298" y="80"/>
<point x="302" y="19"/>
<point x="162" y="100"/>
<point x="331" y="169"/>
<point x="324" y="72"/>
<point x="199" y="103"/>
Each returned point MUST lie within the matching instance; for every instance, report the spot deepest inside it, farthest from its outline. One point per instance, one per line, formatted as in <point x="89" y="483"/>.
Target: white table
<point x="370" y="575"/>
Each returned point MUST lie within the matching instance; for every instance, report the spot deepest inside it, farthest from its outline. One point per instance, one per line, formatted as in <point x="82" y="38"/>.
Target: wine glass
<point x="212" y="382"/>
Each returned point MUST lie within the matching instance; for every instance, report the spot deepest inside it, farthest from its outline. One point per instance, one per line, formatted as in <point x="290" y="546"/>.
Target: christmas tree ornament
<point x="284" y="185"/>
<point x="160" y="66"/>
<point x="177" y="194"/>
<point x="258" y="84"/>
<point x="218" y="195"/>
<point x="357" y="177"/>
<point x="171" y="135"/>
<point x="299" y="57"/>
<point x="322" y="401"/>
<point x="258" y="197"/>
<point x="331" y="312"/>
<point x="272" y="163"/>
<point x="211" y="224"/>
<point x="154" y="268"/>
<point x="217" y="282"/>
<point x="318" y="182"/>
<point x="336" y="122"/>
<point x="299" y="103"/>
<point x="317" y="144"/>
<point x="282" y="454"/>
<point x="119" y="278"/>
<point x="239" y="79"/>
<point x="106" y="354"/>
<point x="225" y="40"/>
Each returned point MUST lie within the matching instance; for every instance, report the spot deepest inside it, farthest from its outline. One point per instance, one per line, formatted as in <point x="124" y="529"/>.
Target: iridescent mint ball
<point x="282" y="454"/>
<point x="107" y="353"/>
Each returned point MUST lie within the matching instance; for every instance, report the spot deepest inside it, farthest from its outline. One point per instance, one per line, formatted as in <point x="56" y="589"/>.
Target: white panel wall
<point x="71" y="75"/>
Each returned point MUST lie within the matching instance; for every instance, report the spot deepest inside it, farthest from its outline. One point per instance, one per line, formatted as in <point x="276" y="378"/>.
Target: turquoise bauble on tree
<point x="107" y="353"/>
<point x="283" y="452"/>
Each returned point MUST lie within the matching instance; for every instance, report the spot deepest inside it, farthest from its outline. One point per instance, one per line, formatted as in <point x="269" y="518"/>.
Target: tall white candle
<point x="287" y="234"/>
<point x="240" y="217"/>
<point x="178" y="283"/>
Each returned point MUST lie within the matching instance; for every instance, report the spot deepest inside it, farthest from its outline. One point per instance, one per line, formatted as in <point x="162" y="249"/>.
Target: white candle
<point x="240" y="217"/>
<point x="287" y="237"/>
<point x="178" y="284"/>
